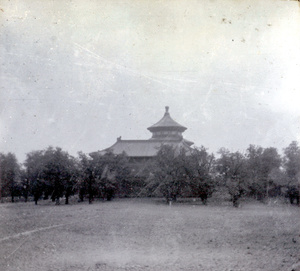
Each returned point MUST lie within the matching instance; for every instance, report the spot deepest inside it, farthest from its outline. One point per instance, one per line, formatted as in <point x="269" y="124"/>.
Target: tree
<point x="200" y="169"/>
<point x="58" y="171"/>
<point x="90" y="171"/>
<point x="254" y="170"/>
<point x="271" y="161"/>
<point x="232" y="168"/>
<point x="261" y="163"/>
<point x="9" y="175"/>
<point x="292" y="170"/>
<point x="111" y="172"/>
<point x="169" y="176"/>
<point x="292" y="162"/>
<point x="102" y="175"/>
<point x="116" y="175"/>
<point x="34" y="167"/>
<point x="84" y="173"/>
<point x="50" y="172"/>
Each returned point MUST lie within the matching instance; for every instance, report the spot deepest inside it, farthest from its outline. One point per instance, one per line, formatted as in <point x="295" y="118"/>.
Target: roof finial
<point x="167" y="110"/>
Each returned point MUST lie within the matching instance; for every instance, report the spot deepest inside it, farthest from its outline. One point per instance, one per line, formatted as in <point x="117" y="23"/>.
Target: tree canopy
<point x="53" y="173"/>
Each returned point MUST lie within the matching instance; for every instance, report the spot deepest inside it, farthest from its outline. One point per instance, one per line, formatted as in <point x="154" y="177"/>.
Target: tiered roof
<point x="166" y="131"/>
<point x="167" y="123"/>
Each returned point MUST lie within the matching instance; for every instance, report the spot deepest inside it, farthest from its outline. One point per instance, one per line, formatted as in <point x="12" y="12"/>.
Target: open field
<point x="148" y="235"/>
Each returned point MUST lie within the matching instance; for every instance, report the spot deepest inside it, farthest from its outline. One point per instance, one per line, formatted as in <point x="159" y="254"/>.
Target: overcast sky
<point x="78" y="74"/>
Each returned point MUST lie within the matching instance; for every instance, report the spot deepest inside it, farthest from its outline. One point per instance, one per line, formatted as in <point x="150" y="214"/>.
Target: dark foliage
<point x="103" y="175"/>
<point x="233" y="171"/>
<point x="9" y="176"/>
<point x="200" y="170"/>
<point x="174" y="172"/>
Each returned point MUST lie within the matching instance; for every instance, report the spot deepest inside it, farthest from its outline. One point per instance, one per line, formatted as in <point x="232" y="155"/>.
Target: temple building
<point x="165" y="131"/>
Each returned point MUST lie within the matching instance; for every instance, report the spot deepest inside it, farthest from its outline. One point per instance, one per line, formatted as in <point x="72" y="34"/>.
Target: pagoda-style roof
<point x="167" y="123"/>
<point x="143" y="148"/>
<point x="165" y="132"/>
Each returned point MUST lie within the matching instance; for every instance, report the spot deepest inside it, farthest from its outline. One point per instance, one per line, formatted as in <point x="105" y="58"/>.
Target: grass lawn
<point x="136" y="234"/>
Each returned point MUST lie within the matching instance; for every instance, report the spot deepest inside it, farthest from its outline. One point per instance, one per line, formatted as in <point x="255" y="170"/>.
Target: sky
<point x="79" y="74"/>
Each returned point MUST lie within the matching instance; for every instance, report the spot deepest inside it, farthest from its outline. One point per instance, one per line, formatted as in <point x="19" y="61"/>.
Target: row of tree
<point x="260" y="172"/>
<point x="53" y="173"/>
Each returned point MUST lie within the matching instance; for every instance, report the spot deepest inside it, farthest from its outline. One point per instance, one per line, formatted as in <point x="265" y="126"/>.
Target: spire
<point x="167" y="111"/>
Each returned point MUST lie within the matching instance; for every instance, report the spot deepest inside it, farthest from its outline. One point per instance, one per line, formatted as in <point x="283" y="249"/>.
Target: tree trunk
<point x="235" y="201"/>
<point x="204" y="201"/>
<point x="81" y="195"/>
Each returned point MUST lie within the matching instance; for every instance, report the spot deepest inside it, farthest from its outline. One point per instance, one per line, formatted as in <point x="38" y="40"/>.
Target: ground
<point x="139" y="234"/>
